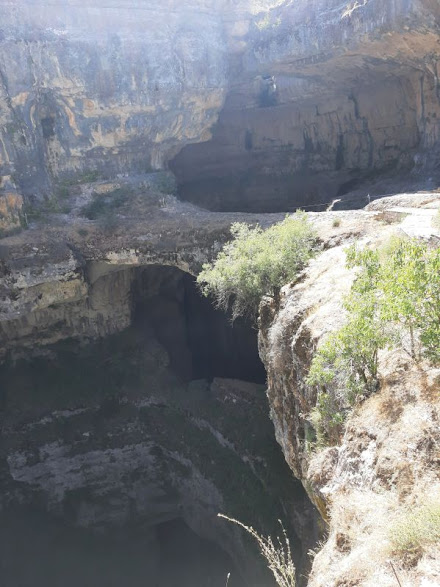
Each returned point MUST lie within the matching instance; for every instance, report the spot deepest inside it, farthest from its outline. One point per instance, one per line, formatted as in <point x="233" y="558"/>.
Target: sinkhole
<point x="117" y="454"/>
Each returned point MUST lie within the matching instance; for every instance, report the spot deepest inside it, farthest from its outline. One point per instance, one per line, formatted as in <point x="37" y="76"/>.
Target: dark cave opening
<point x="103" y="421"/>
<point x="37" y="550"/>
<point x="200" y="340"/>
<point x="195" y="561"/>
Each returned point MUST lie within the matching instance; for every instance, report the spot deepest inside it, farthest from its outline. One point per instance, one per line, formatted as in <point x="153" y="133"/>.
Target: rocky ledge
<point x="387" y="461"/>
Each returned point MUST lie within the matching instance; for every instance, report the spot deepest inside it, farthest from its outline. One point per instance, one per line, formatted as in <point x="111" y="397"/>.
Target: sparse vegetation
<point x="395" y="301"/>
<point x="63" y="192"/>
<point x="257" y="262"/>
<point x="277" y="553"/>
<point x="166" y="184"/>
<point x="54" y="204"/>
<point x="415" y="531"/>
<point x="436" y="220"/>
<point x="336" y="223"/>
<point x="267" y="23"/>
<point x="103" y="204"/>
<point x="87" y="177"/>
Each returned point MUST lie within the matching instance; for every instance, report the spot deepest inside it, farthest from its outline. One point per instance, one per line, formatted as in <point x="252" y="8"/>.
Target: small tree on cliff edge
<point x="256" y="263"/>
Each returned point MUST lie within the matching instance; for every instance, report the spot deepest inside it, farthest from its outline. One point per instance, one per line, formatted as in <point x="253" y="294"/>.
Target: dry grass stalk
<point x="277" y="553"/>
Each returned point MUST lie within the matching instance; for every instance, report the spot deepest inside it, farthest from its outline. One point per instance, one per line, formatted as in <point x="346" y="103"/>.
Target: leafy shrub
<point x="108" y="222"/>
<point x="345" y="366"/>
<point x="277" y="553"/>
<point x="396" y="293"/>
<point x="87" y="177"/>
<point x="55" y="204"/>
<point x="257" y="262"/>
<point x="416" y="531"/>
<point x="63" y="192"/>
<point x="410" y="295"/>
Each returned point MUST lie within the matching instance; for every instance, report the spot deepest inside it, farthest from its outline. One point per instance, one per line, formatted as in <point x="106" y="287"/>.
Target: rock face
<point x="304" y="100"/>
<point x="324" y="96"/>
<point x="124" y="403"/>
<point x="106" y="87"/>
<point x="74" y="279"/>
<point x="144" y="428"/>
<point x="387" y="462"/>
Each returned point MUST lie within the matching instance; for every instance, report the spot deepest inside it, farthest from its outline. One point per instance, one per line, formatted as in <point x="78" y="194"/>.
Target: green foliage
<point x="395" y="297"/>
<point x="257" y="262"/>
<point x="410" y="290"/>
<point x="87" y="177"/>
<point x="416" y="531"/>
<point x="63" y="192"/>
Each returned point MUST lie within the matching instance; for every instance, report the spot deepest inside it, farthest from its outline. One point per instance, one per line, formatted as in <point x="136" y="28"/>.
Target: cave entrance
<point x="200" y="340"/>
<point x="40" y="551"/>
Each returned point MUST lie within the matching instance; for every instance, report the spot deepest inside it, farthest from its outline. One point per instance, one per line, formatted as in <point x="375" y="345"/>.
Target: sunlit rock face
<point x="385" y="458"/>
<point x="304" y="100"/>
<point x="325" y="97"/>
<point x="106" y="86"/>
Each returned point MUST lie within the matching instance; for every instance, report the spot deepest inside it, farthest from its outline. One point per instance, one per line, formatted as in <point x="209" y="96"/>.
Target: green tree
<point x="345" y="366"/>
<point x="396" y="293"/>
<point x="410" y="287"/>
<point x="257" y="262"/>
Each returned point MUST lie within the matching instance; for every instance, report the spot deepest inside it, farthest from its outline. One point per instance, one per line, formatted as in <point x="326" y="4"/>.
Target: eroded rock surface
<point x="108" y="87"/>
<point x="387" y="460"/>
<point x="325" y="96"/>
<point x="304" y="100"/>
<point x="144" y="428"/>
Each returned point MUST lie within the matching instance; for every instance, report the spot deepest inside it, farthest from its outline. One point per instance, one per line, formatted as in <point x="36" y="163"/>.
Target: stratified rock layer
<point x="106" y="87"/>
<point x="324" y="96"/>
<point x="304" y="100"/>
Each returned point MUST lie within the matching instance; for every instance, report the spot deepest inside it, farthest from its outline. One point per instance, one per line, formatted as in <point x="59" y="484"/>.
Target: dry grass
<point x="277" y="553"/>
<point x="374" y="541"/>
<point x="414" y="532"/>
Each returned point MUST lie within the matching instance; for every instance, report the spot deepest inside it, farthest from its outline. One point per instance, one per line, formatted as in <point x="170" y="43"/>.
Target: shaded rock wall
<point x="325" y="97"/>
<point x="119" y="435"/>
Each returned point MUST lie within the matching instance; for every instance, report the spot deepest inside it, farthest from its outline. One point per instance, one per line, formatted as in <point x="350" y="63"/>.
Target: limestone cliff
<point x="325" y="96"/>
<point x="387" y="461"/>
<point x="105" y="87"/>
<point x="304" y="100"/>
<point x="125" y="402"/>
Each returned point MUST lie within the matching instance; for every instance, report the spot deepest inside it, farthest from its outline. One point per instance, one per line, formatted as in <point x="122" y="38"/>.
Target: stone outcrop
<point x="74" y="279"/>
<point x="148" y="426"/>
<point x="110" y="418"/>
<point x="387" y="460"/>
